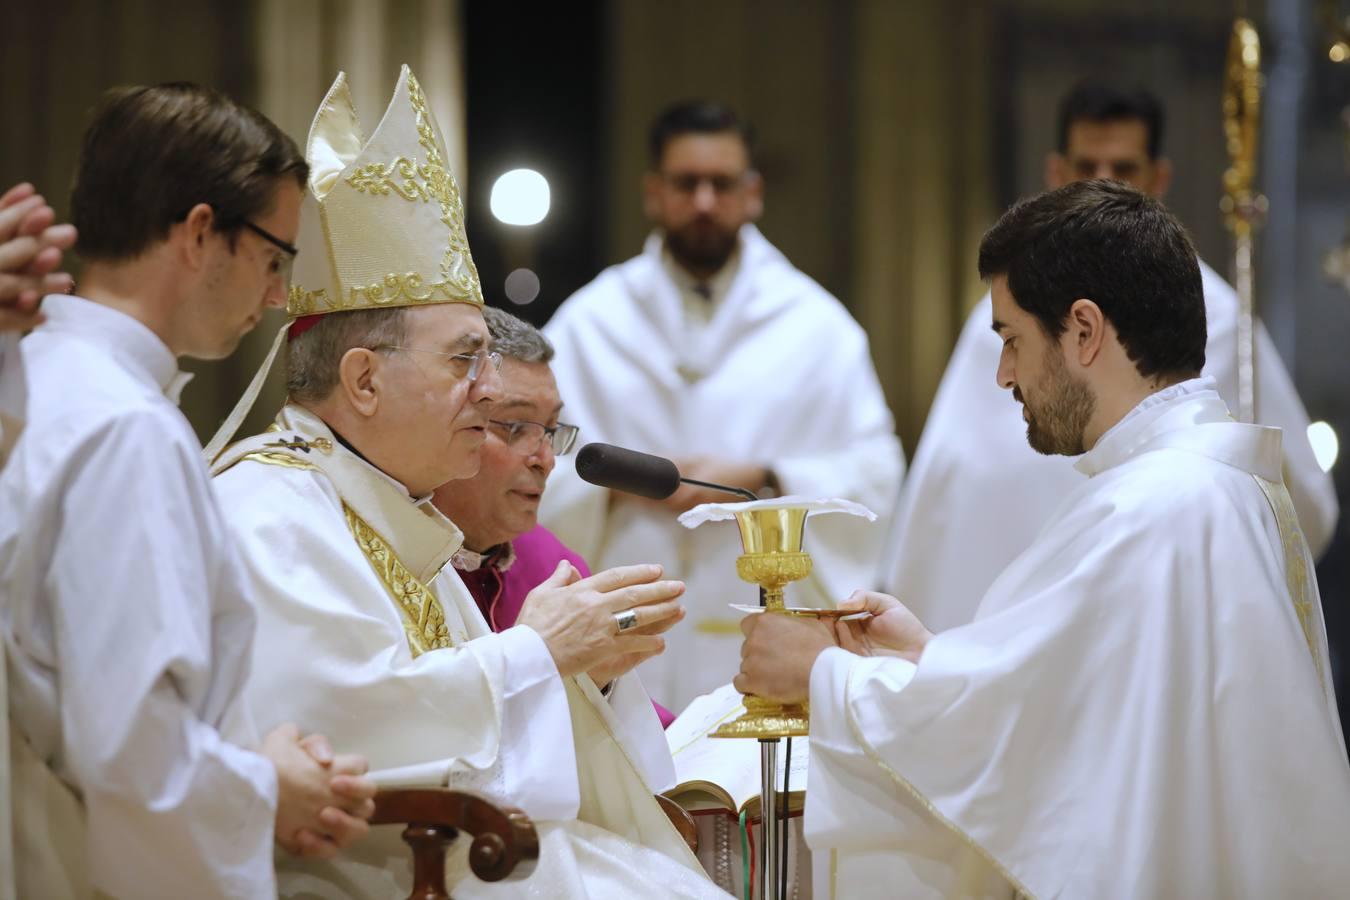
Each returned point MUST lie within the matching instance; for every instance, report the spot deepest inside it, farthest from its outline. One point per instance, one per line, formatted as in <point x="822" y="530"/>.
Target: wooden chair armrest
<point x="680" y="818"/>
<point x="505" y="844"/>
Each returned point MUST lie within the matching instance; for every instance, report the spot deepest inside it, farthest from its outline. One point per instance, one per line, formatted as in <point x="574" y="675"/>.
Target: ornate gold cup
<point x="773" y="557"/>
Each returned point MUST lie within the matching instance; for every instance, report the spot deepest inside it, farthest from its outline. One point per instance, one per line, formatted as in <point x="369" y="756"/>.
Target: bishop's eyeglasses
<point x="464" y="365"/>
<point x="527" y="438"/>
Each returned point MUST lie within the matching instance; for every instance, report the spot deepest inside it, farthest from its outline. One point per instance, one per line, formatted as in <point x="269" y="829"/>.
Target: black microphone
<point x="653" y="477"/>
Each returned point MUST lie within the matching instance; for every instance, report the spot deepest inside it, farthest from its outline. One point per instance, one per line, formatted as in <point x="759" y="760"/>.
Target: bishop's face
<point x="1056" y="405"/>
<point x="439" y="413"/>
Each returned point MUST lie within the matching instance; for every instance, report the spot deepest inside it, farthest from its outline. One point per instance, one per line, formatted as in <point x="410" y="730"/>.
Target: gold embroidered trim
<point x="1295" y="563"/>
<point x="395" y="290"/>
<point x="872" y="754"/>
<point x="419" y="609"/>
<point x="277" y="458"/>
<point x="322" y="444"/>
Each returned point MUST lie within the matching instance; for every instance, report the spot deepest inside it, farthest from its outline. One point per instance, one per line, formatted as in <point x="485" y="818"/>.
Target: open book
<point x="724" y="773"/>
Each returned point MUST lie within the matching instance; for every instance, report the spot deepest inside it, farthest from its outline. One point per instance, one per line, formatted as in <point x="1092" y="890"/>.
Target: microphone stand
<point x="739" y="492"/>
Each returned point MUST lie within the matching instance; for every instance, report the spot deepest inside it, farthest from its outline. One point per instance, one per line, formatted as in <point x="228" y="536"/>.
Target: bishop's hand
<point x="890" y="630"/>
<point x="578" y="618"/>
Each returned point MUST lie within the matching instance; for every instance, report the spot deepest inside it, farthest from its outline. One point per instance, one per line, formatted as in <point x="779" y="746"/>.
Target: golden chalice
<point x="773" y="558"/>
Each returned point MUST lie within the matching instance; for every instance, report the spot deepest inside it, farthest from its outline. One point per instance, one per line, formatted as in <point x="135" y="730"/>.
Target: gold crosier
<point x="1242" y="205"/>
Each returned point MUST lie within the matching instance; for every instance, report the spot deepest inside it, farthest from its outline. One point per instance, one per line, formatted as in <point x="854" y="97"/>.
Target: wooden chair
<point x="680" y="818"/>
<point x="505" y="845"/>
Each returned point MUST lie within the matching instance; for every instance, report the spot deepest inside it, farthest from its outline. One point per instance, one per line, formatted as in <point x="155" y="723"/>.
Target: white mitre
<point x="381" y="226"/>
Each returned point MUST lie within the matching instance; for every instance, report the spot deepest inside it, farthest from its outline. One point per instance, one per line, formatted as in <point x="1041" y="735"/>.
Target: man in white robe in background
<point x="1142" y="707"/>
<point x="30" y="250"/>
<point x="364" y="626"/>
<point x="131" y="768"/>
<point x="976" y="495"/>
<point x="710" y="348"/>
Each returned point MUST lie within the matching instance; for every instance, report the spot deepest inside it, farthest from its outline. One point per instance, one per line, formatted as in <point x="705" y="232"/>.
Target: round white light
<point x="1326" y="447"/>
<point x="522" y="286"/>
<point x="520" y="197"/>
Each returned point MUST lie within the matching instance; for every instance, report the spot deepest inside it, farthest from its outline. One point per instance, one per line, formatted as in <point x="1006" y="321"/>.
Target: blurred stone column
<point x="922" y="189"/>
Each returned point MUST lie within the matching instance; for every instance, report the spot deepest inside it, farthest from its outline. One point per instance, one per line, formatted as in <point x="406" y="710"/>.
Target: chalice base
<point x="763" y="719"/>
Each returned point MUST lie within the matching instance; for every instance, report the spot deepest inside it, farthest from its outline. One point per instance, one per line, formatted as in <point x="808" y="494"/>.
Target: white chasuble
<point x="779" y="374"/>
<point x="977" y="494"/>
<point x="1141" y="708"/>
<point x="367" y="635"/>
<point x="127" y="635"/>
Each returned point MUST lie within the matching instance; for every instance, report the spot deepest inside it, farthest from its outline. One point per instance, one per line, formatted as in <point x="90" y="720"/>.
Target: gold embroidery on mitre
<point x="417" y="174"/>
<point x="419" y="609"/>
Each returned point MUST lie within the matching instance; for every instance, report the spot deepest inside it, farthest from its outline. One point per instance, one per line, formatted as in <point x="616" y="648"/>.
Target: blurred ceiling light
<point x="522" y="287"/>
<point x="520" y="197"/>
<point x="1326" y="447"/>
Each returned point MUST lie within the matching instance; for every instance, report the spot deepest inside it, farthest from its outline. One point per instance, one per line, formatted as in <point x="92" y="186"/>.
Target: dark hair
<point x="696" y="117"/>
<point x="1118" y="247"/>
<point x="1099" y="101"/>
<point x="152" y="153"/>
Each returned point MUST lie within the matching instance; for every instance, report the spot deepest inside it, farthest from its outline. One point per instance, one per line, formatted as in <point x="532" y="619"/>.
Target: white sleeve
<point x="850" y="797"/>
<point x="639" y="729"/>
<point x="536" y="737"/>
<point x="173" y="809"/>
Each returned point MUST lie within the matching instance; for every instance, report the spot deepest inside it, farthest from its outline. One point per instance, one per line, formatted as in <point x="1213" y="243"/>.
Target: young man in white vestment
<point x="1142" y="707"/>
<point x="976" y="494"/>
<point x="31" y="245"/>
<point x="363" y="624"/>
<point x="710" y="348"/>
<point x="131" y="768"/>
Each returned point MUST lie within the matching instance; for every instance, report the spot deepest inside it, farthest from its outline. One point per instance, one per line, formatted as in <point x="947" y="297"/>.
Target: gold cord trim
<point x="277" y="458"/>
<point x="1295" y="563"/>
<point x="419" y="609"/>
<point x="872" y="754"/>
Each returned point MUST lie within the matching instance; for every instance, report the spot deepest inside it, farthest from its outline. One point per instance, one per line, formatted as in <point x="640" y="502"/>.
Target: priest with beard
<point x="976" y="495"/>
<point x="1142" y="706"/>
<point x="711" y="348"/>
<point x="364" y="629"/>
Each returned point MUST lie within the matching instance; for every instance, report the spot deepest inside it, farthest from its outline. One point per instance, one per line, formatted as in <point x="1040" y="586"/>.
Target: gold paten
<point x="773" y="558"/>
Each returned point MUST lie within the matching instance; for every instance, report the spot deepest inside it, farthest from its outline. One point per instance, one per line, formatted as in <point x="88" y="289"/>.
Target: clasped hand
<point x="323" y="800"/>
<point x="30" y="251"/>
